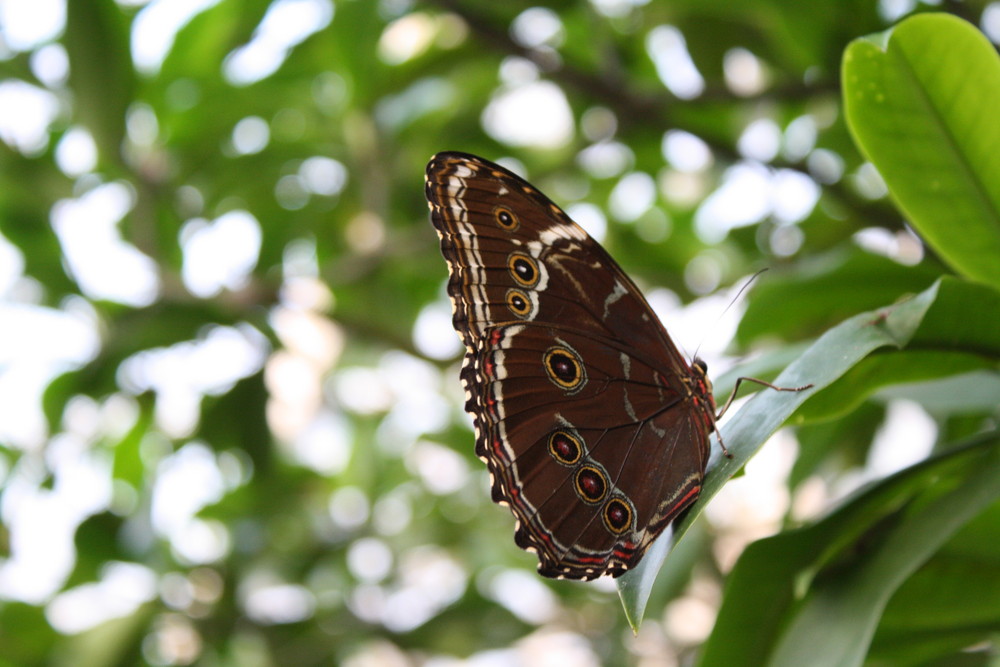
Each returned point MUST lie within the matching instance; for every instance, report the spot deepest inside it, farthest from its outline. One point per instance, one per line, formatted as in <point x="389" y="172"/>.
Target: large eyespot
<point x="519" y="303"/>
<point x="523" y="269"/>
<point x="565" y="447"/>
<point x="618" y="514"/>
<point x="505" y="218"/>
<point x="564" y="368"/>
<point x="591" y="484"/>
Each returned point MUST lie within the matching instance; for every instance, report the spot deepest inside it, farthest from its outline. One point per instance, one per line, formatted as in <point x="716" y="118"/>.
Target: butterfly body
<point x="594" y="427"/>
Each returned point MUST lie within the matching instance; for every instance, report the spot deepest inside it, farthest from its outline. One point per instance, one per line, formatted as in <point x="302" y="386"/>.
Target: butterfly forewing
<point x="505" y="243"/>
<point x="594" y="427"/>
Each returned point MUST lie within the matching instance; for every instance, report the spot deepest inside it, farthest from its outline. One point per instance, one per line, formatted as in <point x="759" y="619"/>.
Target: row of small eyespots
<point x="590" y="481"/>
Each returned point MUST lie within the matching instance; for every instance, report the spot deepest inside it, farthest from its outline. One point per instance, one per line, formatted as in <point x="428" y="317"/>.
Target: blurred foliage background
<point x="231" y="428"/>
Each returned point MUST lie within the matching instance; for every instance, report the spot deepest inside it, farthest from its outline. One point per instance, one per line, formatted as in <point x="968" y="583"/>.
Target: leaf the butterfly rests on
<point x="594" y="427"/>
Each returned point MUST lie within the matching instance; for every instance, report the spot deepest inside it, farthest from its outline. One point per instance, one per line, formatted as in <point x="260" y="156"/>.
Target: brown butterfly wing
<point x="594" y="427"/>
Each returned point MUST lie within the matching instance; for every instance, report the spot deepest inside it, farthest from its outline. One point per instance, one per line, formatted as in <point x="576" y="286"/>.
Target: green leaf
<point x="836" y="624"/>
<point x="838" y="444"/>
<point x="784" y="304"/>
<point x="947" y="342"/>
<point x="101" y="76"/>
<point x="826" y="360"/>
<point x="921" y="101"/>
<point x="826" y="584"/>
<point x="870" y="376"/>
<point x="948" y="604"/>
<point x="977" y="392"/>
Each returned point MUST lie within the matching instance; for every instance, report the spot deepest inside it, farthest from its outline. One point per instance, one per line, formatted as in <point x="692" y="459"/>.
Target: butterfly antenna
<point x="733" y="302"/>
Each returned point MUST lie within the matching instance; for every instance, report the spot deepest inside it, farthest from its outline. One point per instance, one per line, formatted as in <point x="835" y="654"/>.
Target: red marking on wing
<point x="591" y="559"/>
<point x="625" y="552"/>
<point x="688" y="497"/>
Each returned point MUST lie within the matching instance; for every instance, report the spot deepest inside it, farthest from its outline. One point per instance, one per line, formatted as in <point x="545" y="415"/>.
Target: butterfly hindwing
<point x="564" y="462"/>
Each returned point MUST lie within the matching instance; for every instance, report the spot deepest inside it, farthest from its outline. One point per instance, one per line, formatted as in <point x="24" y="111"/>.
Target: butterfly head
<point x="699" y="372"/>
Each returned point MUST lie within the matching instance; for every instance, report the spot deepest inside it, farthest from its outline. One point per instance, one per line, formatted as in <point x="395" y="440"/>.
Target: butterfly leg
<point x="725" y="452"/>
<point x="736" y="388"/>
<point x="732" y="396"/>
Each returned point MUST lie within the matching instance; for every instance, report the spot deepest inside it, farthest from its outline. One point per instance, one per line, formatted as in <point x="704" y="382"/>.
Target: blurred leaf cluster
<point x="335" y="511"/>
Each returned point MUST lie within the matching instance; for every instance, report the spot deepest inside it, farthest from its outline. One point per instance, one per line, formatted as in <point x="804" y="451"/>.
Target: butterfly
<point x="594" y="427"/>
